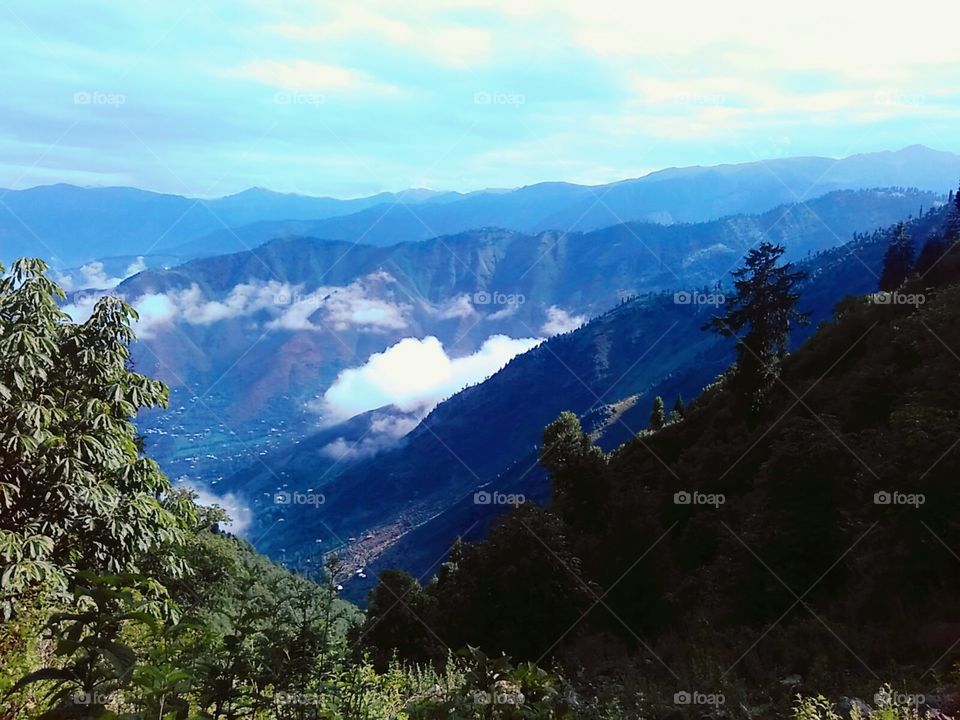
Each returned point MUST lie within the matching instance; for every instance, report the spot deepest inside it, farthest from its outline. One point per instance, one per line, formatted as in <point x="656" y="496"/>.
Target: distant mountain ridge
<point x="70" y="225"/>
<point x="406" y="502"/>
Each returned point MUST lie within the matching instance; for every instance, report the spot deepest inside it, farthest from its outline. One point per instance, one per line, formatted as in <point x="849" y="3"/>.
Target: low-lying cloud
<point x="560" y="321"/>
<point x="414" y="375"/>
<point x="385" y="430"/>
<point x="94" y="275"/>
<point x="278" y="305"/>
<point x="236" y="508"/>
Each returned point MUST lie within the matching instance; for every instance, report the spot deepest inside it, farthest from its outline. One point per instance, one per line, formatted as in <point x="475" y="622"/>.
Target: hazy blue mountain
<point x="69" y="225"/>
<point x="675" y="195"/>
<point x="257" y="336"/>
<point x="608" y="370"/>
<point x="406" y="506"/>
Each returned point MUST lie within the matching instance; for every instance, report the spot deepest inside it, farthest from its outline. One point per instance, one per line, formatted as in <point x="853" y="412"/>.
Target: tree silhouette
<point x="760" y="316"/>
<point x="898" y="259"/>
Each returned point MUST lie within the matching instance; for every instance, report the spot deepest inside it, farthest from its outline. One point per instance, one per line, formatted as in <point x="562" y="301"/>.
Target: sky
<point x="349" y="98"/>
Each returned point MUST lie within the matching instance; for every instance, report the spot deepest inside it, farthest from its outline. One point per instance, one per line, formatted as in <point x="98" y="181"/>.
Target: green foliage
<point x="658" y="417"/>
<point x="493" y="689"/>
<point x="578" y="469"/>
<point x="796" y="501"/>
<point x="76" y="492"/>
<point x="760" y="316"/>
<point x="898" y="260"/>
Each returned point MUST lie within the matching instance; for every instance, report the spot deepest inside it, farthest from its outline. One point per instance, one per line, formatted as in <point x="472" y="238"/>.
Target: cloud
<point x="560" y="321"/>
<point x="415" y="375"/>
<point x="386" y="429"/>
<point x="444" y="43"/>
<point x="237" y="509"/>
<point x="94" y="275"/>
<point x="459" y="307"/>
<point x="309" y="77"/>
<point x="279" y="305"/>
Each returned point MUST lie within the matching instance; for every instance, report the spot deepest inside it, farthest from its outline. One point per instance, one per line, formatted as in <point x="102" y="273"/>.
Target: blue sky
<point x="350" y="98"/>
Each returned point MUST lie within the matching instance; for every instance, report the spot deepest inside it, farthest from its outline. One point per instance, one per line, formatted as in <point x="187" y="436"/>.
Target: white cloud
<point x="444" y="43"/>
<point x="307" y="76"/>
<point x="94" y="275"/>
<point x="235" y="507"/>
<point x="414" y="375"/>
<point x="459" y="307"/>
<point x="279" y="305"/>
<point x="384" y="432"/>
<point x="560" y="321"/>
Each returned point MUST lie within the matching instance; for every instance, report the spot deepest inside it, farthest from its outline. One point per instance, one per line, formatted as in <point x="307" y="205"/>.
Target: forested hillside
<point x="796" y="519"/>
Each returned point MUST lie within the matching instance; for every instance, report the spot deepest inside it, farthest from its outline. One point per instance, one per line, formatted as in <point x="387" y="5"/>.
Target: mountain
<point x="677" y="195"/>
<point x="70" y="225"/>
<point x="405" y="505"/>
<point x="743" y="544"/>
<point x="250" y="342"/>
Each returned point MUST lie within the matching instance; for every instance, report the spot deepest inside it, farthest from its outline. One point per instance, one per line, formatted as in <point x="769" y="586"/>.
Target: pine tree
<point x="678" y="407"/>
<point x="951" y="228"/>
<point x="898" y="259"/>
<point x="657" y="415"/>
<point x="760" y="316"/>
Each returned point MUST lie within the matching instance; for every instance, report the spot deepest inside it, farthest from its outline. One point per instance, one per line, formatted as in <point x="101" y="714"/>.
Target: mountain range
<point x="252" y="342"/>
<point x="70" y="225"/>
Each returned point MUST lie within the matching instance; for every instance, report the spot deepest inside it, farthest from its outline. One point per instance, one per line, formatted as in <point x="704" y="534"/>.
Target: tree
<point x="657" y="414"/>
<point x="398" y="622"/>
<point x="952" y="228"/>
<point x="760" y="316"/>
<point x="898" y="259"/>
<point x="678" y="407"/>
<point x="75" y="491"/>
<point x="577" y="468"/>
